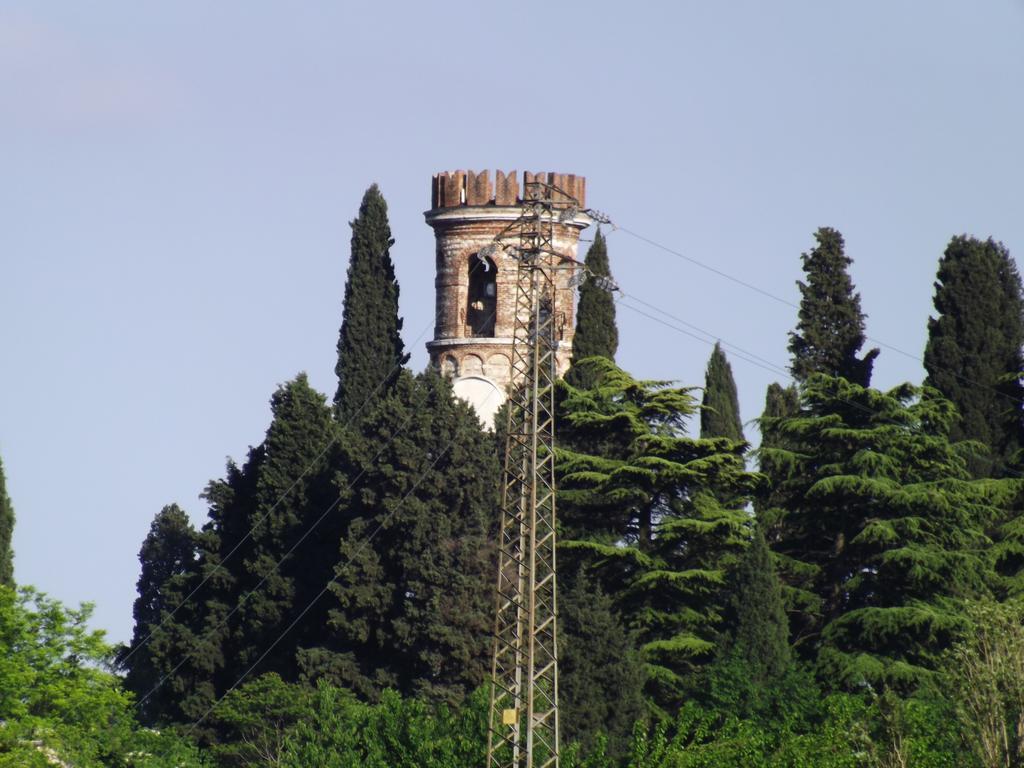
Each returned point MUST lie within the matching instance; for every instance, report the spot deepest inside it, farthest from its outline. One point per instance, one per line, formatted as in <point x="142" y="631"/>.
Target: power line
<point x="305" y="534"/>
<point x="241" y="601"/>
<point x="786" y="302"/>
<point x="383" y="522"/>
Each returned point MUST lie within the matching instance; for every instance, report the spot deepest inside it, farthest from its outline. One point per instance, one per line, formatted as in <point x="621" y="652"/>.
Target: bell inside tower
<point x="482" y="296"/>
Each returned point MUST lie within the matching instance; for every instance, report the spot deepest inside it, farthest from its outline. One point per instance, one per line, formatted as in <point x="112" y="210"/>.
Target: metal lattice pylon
<point x="524" y="672"/>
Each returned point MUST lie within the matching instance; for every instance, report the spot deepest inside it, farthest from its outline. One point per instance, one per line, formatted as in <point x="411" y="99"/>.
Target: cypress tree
<point x="830" y="329"/>
<point x="186" y="664"/>
<point x="169" y="552"/>
<point x="762" y="628"/>
<point x="290" y="493"/>
<point x="974" y="349"/>
<point x="412" y="598"/>
<point x="600" y="674"/>
<point x="370" y="349"/>
<point x="779" y="403"/>
<point x="258" y="563"/>
<point x="596" y="331"/>
<point x="720" y="408"/>
<point x="754" y="674"/>
<point x="6" y="533"/>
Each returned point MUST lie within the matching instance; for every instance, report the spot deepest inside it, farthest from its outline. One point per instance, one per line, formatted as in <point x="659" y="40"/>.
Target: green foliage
<point x="645" y="513"/>
<point x="370" y="348"/>
<point x="252" y="721"/>
<point x="830" y="330"/>
<point x="984" y="676"/>
<point x="779" y="402"/>
<point x="720" y="408"/>
<point x="596" y="332"/>
<point x="58" y="702"/>
<point x="396" y="733"/>
<point x="761" y="641"/>
<point x="882" y="527"/>
<point x="601" y="677"/>
<point x="267" y="722"/>
<point x="169" y="552"/>
<point x="6" y="533"/>
<point x="412" y="603"/>
<point x="974" y="351"/>
<point x="290" y="495"/>
<point x="235" y="598"/>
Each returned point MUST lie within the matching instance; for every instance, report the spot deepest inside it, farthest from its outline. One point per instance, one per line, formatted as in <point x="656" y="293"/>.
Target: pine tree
<point x="370" y="349"/>
<point x="646" y="512"/>
<point x="6" y="533"/>
<point x="720" y="408"/>
<point x="601" y="677"/>
<point x="412" y="605"/>
<point x="974" y="351"/>
<point x="169" y="552"/>
<point x="830" y="330"/>
<point x="882" y="526"/>
<point x="596" y="332"/>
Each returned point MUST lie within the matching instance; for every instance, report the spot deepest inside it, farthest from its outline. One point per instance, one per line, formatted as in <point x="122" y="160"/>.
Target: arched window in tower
<point x="482" y="296"/>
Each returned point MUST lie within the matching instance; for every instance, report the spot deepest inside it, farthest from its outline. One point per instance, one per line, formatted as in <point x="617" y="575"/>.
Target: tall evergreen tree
<point x="761" y="642"/>
<point x="974" y="351"/>
<point x="6" y="533"/>
<point x="186" y="664"/>
<point x="370" y="348"/>
<point x="780" y="402"/>
<point x="596" y="331"/>
<point x="754" y="674"/>
<point x="169" y="552"/>
<point x="882" y="527"/>
<point x="647" y="513"/>
<point x="412" y="605"/>
<point x="601" y="677"/>
<point x="720" y="408"/>
<point x="276" y="573"/>
<point x="830" y="329"/>
<point x="259" y="561"/>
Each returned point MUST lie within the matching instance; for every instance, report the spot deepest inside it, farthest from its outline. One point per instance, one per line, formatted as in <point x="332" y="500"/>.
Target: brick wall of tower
<point x="467" y="213"/>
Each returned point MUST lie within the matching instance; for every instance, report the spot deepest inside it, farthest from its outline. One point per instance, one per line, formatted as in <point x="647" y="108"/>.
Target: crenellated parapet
<point x="452" y="189"/>
<point x="476" y="289"/>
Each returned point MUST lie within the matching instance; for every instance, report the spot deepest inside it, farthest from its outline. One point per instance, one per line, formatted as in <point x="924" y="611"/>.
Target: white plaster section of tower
<point x="472" y="341"/>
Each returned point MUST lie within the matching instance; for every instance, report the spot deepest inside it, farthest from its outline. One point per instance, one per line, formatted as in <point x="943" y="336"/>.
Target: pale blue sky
<point x="176" y="183"/>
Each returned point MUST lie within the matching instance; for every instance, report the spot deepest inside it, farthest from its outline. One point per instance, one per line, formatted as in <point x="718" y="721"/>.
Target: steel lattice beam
<point x="524" y="671"/>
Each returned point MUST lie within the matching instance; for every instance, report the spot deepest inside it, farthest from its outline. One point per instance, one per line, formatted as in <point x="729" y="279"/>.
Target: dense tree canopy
<point x="975" y="349"/>
<point x="882" y="527"/>
<point x="840" y="608"/>
<point x="57" y="700"/>
<point x="646" y="514"/>
<point x="411" y="593"/>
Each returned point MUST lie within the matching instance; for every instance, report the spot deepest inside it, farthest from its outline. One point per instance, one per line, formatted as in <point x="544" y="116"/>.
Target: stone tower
<point x="475" y="302"/>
